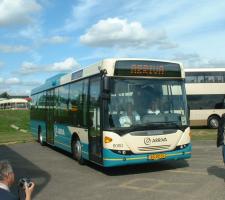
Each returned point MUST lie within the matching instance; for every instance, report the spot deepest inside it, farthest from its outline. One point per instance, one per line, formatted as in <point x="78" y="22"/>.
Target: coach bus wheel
<point x="77" y="151"/>
<point x="40" y="137"/>
<point x="213" y="122"/>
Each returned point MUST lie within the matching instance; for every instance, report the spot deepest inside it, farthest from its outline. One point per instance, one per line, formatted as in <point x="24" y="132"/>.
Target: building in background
<point x="14" y="102"/>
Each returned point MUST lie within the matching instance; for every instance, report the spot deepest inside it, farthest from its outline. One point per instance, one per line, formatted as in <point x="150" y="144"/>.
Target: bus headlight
<point x="181" y="147"/>
<point x="122" y="152"/>
<point x="107" y="139"/>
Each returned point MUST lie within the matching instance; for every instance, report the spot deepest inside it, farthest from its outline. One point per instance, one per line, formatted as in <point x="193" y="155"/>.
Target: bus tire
<point x="213" y="121"/>
<point x="40" y="138"/>
<point x="77" y="151"/>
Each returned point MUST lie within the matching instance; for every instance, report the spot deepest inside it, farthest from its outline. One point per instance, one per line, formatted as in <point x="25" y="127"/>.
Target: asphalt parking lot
<point x="58" y="176"/>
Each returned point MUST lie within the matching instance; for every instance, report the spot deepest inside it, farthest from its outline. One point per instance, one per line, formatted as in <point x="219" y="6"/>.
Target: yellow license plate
<point x="157" y="156"/>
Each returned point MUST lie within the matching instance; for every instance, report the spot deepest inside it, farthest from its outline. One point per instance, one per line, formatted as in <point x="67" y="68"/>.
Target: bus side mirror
<point x="106" y="84"/>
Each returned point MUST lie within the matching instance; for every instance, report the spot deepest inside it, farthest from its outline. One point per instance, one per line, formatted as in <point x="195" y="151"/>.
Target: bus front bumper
<point x="112" y="159"/>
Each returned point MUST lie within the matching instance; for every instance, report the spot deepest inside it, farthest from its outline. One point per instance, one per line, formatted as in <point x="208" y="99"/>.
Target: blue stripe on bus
<point x="112" y="159"/>
<point x="60" y="141"/>
<point x="85" y="151"/>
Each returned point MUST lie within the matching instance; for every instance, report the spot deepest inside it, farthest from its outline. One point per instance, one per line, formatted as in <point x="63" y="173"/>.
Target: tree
<point x="4" y="95"/>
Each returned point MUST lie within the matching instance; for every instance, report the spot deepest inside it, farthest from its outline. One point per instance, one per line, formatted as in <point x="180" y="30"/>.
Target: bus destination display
<point x="147" y="68"/>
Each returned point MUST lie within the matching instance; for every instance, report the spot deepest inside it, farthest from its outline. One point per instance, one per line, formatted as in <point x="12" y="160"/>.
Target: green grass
<point x="203" y="134"/>
<point x="19" y="118"/>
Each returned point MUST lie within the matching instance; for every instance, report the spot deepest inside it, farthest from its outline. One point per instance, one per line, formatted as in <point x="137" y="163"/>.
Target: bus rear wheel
<point x="77" y="151"/>
<point x="40" y="137"/>
<point x="213" y="121"/>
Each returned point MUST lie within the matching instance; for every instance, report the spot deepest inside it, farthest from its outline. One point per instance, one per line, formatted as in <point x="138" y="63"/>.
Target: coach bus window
<point x="191" y="79"/>
<point x="56" y="104"/>
<point x="218" y="79"/>
<point x="200" y="79"/>
<point x="33" y="106"/>
<point x="75" y="104"/>
<point x="209" y="79"/>
<point x="84" y="106"/>
<point x="63" y="101"/>
<point x="139" y="93"/>
<point x="205" y="101"/>
<point x="41" y="105"/>
<point x="38" y="106"/>
<point x="94" y="103"/>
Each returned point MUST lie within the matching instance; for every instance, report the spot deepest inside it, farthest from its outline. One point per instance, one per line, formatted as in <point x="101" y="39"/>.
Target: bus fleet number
<point x="117" y="146"/>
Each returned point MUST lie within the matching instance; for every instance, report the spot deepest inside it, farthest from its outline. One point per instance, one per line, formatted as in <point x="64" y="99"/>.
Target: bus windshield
<point x="147" y="103"/>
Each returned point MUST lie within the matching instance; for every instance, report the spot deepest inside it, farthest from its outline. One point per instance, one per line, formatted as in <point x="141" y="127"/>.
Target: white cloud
<point x="193" y="60"/>
<point x="57" y="39"/>
<point x="64" y="66"/>
<point x="17" y="86"/>
<point x="13" y="48"/>
<point x="32" y="83"/>
<point x="81" y="14"/>
<point x="189" y="59"/>
<point x="115" y="32"/>
<point x="28" y="68"/>
<point x="33" y="32"/>
<point x="216" y="63"/>
<point x="16" y="12"/>
<point x="12" y="81"/>
<point x="167" y="45"/>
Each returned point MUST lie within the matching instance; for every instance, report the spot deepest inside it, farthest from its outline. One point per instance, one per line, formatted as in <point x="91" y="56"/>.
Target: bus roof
<point x="204" y="69"/>
<point x="105" y="64"/>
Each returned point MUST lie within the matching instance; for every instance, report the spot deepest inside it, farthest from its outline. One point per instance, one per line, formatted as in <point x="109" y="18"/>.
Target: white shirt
<point x="126" y="121"/>
<point x="153" y="112"/>
<point x="4" y="187"/>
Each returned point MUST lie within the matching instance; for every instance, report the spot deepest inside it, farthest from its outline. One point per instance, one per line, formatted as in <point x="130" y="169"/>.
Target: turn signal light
<point x="107" y="139"/>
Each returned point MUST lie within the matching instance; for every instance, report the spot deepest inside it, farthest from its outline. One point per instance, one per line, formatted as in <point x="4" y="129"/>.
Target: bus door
<point x="94" y="132"/>
<point x="50" y="117"/>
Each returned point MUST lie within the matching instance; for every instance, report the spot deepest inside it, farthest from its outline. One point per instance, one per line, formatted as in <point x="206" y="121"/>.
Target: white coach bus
<point x="116" y="112"/>
<point x="205" y="89"/>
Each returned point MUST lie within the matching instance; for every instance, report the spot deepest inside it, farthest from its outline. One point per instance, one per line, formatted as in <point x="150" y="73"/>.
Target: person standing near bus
<point x="221" y="135"/>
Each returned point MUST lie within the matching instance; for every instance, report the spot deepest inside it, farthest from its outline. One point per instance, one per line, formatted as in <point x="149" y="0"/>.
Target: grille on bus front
<point x="154" y="148"/>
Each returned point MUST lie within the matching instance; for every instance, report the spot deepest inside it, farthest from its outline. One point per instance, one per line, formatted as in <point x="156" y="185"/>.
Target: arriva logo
<point x="147" y="141"/>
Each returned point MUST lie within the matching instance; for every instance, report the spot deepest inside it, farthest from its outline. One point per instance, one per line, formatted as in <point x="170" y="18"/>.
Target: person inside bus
<point x="153" y="107"/>
<point x="7" y="178"/>
<point x="129" y="117"/>
<point x="221" y="136"/>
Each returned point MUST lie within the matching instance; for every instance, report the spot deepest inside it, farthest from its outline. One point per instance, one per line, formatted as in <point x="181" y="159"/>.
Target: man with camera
<point x="7" y="179"/>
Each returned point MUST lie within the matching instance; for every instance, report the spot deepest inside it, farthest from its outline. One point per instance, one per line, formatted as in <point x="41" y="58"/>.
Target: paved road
<point x="57" y="176"/>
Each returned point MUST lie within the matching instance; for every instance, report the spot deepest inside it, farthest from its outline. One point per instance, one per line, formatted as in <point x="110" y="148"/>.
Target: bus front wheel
<point x="213" y="121"/>
<point x="77" y="151"/>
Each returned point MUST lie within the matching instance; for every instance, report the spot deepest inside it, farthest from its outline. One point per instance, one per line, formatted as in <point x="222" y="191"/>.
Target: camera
<point x="24" y="182"/>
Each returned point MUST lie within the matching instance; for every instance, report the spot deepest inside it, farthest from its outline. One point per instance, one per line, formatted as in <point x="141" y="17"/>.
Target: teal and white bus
<point x="101" y="113"/>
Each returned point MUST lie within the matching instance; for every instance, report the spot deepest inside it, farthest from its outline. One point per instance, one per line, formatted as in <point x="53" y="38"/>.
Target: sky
<point x="41" y="38"/>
